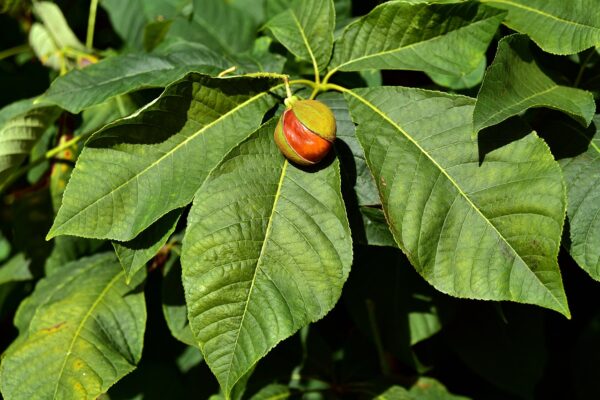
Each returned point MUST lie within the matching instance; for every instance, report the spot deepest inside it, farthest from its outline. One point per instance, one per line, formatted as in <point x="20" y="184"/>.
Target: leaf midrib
<point x="81" y="325"/>
<point x="455" y="184"/>
<point x="268" y="231"/>
<point x="240" y="106"/>
<point x="305" y="39"/>
<point x="400" y="49"/>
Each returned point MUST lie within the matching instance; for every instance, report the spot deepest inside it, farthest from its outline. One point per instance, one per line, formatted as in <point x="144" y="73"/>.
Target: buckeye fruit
<point x="306" y="131"/>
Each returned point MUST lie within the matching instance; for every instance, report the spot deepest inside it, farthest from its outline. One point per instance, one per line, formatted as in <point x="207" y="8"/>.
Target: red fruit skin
<point x="308" y="145"/>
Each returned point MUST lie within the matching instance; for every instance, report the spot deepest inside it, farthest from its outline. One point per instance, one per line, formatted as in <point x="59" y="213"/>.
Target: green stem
<point x="385" y="369"/>
<point x="14" y="51"/>
<point x="49" y="155"/>
<point x="583" y="67"/>
<point x="328" y="75"/>
<point x="89" y="39"/>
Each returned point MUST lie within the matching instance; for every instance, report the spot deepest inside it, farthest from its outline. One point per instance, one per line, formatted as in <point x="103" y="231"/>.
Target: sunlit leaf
<point x="557" y="26"/>
<point x="514" y="82"/>
<point x="81" y="330"/>
<point x="476" y="219"/>
<point x="161" y="154"/>
<point x="446" y="39"/>
<point x="266" y="251"/>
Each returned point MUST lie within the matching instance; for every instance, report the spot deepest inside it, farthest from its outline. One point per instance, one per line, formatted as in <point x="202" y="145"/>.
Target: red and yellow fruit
<point x="306" y="131"/>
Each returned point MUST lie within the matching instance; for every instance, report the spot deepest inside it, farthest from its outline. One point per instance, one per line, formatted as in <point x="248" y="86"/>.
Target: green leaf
<point x="56" y="24"/>
<point x="502" y="346"/>
<point x="478" y="220"/>
<point x="364" y="186"/>
<point x="424" y="389"/>
<point x="557" y="26"/>
<point x="162" y="154"/>
<point x="155" y="32"/>
<point x="399" y="35"/>
<point x="134" y="254"/>
<point x="173" y="303"/>
<point x="228" y="27"/>
<point x="44" y="47"/>
<point x="128" y="19"/>
<point x="306" y="30"/>
<point x="376" y="227"/>
<point x="466" y="80"/>
<point x="582" y="176"/>
<point x="15" y="270"/>
<point x="118" y="75"/>
<point x="273" y="391"/>
<point x="515" y="83"/>
<point x="81" y="330"/>
<point x="266" y="251"/>
<point x="17" y="108"/>
<point x="19" y="134"/>
<point x="430" y="389"/>
<point x="395" y="393"/>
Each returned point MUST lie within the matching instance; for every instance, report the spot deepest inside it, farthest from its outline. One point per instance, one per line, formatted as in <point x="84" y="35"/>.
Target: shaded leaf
<point x="306" y="30"/>
<point x="430" y="389"/>
<point x="477" y="220"/>
<point x="15" y="269"/>
<point x="557" y="26"/>
<point x="266" y="251"/>
<point x="135" y="253"/>
<point x="376" y="227"/>
<point x="173" y="303"/>
<point x="19" y="134"/>
<point x="163" y="153"/>
<point x="514" y="83"/>
<point x="509" y="353"/>
<point x="399" y="35"/>
<point x="80" y="331"/>
<point x="272" y="392"/>
<point x="364" y="186"/>
<point x="582" y="176"/>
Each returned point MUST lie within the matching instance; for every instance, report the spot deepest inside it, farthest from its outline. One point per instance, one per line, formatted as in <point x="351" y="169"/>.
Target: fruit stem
<point x="287" y="87"/>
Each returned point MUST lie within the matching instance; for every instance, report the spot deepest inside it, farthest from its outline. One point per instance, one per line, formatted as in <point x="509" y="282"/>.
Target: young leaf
<point x="514" y="83"/>
<point x="161" y="154"/>
<point x="44" y="47"/>
<point x="266" y="251"/>
<point x="54" y="21"/>
<point x="557" y="26"/>
<point x="135" y="253"/>
<point x="113" y="76"/>
<point x="582" y="175"/>
<point x="477" y="220"/>
<point x="399" y="35"/>
<point x="19" y="134"/>
<point x="306" y="30"/>
<point x="81" y="330"/>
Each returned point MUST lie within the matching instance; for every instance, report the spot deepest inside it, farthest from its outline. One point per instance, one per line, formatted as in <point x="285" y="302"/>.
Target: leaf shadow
<point x="497" y="136"/>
